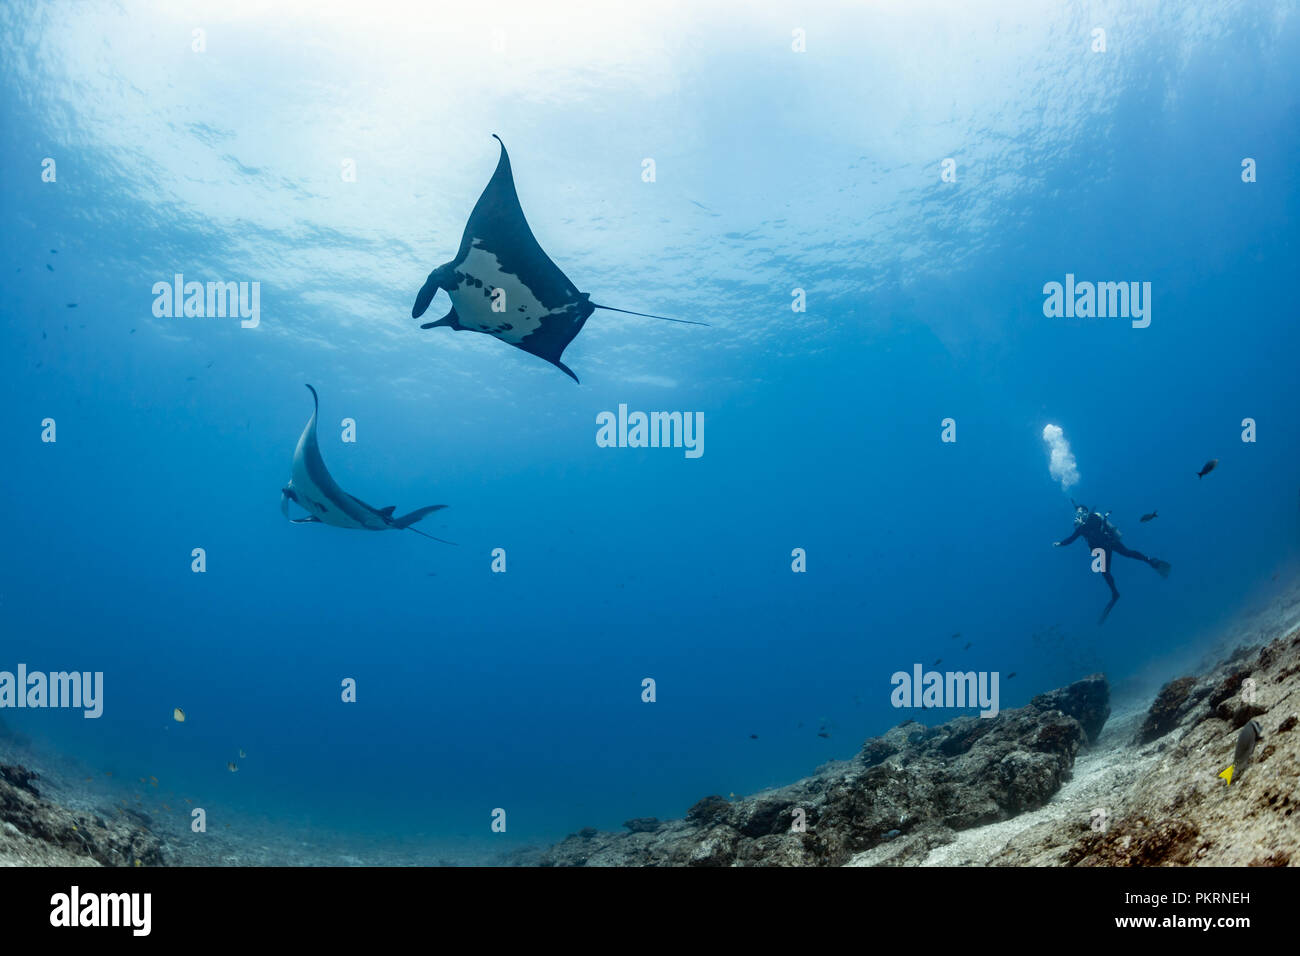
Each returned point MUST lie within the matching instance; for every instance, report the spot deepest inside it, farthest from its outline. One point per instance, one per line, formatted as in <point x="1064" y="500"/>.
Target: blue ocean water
<point x="775" y="169"/>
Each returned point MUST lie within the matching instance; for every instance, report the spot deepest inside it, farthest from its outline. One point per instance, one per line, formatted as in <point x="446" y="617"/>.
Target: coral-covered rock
<point x="1166" y="709"/>
<point x="1087" y="701"/>
<point x="912" y="787"/>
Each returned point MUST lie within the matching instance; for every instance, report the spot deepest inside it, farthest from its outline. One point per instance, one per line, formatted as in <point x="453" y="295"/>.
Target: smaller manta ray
<point x="313" y="488"/>
<point x="503" y="284"/>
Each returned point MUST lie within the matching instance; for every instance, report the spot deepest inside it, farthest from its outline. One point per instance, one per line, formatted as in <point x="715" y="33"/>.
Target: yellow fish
<point x="231" y="767"/>
<point x="178" y="715"/>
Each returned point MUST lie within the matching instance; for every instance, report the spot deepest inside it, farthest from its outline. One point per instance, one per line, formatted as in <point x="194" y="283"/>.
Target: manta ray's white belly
<point x="311" y="496"/>
<point x="521" y="314"/>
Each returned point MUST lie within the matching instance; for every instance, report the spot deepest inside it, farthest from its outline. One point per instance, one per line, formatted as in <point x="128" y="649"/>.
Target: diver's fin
<point x="1106" y="613"/>
<point x="451" y="319"/>
<point x="306" y="520"/>
<point x="646" y="315"/>
<point x="388" y="512"/>
<point x="407" y="520"/>
<point x="1227" y="774"/>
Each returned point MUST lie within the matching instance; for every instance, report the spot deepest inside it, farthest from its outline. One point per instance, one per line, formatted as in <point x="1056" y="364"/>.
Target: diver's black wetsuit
<point x="1099" y="533"/>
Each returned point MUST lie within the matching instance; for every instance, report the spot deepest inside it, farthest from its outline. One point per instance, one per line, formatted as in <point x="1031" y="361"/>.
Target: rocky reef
<point x="1022" y="789"/>
<point x="1178" y="810"/>
<point x="1151" y="794"/>
<point x="911" y="788"/>
<point x="36" y="832"/>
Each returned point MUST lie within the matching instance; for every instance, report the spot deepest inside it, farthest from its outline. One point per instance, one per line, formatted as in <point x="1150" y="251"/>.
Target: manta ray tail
<point x="647" y="315"/>
<point x="405" y="521"/>
<point x="418" y="531"/>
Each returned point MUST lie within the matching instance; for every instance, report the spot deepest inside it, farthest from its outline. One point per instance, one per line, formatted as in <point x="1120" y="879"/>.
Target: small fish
<point x="1208" y="467"/>
<point x="133" y="331"/>
<point x="50" y="267"/>
<point x="209" y="365"/>
<point x="153" y="781"/>
<point x="189" y="378"/>
<point x="1251" y="734"/>
<point x="72" y="305"/>
<point x="242" y="755"/>
<point x="231" y="767"/>
<point x="955" y="636"/>
<point x="937" y="662"/>
<point x="188" y="800"/>
<point x="822" y="733"/>
<point x="108" y="773"/>
<point x="893" y="833"/>
<point x="1145" y="518"/>
<point x="1011" y="675"/>
<point x="178" y="715"/>
<point x="753" y="736"/>
<point x="74" y="828"/>
<point x="54" y="251"/>
<point x="967" y="647"/>
<point x="165" y="807"/>
<point x="138" y="863"/>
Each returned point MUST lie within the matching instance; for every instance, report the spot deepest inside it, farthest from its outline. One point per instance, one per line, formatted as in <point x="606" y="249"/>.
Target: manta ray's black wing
<point x="497" y="225"/>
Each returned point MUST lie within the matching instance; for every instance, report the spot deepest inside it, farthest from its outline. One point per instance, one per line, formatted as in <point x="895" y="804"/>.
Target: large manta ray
<point x="502" y="283"/>
<point x="313" y="488"/>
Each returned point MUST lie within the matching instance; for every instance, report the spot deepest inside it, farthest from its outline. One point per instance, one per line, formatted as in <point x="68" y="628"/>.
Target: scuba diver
<point x="1097" y="530"/>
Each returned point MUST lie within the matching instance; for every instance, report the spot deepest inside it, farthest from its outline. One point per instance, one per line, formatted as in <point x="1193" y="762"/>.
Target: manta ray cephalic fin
<point x="451" y="319"/>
